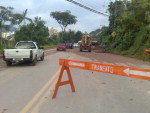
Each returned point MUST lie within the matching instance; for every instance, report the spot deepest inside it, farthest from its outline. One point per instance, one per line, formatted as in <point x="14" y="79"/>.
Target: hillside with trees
<point x="128" y="32"/>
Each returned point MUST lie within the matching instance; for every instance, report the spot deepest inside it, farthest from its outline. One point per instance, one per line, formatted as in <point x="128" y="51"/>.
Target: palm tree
<point x="26" y="18"/>
<point x="5" y="13"/>
<point x="17" y="19"/>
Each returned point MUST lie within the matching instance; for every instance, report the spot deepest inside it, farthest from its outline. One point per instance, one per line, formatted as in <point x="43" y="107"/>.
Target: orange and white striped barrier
<point x="104" y="68"/>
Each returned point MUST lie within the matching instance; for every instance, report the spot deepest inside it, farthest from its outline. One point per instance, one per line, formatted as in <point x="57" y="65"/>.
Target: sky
<point x="87" y="21"/>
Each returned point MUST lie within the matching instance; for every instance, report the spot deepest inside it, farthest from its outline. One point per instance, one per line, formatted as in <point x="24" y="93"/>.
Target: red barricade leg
<point x="59" y="83"/>
<point x="70" y="79"/>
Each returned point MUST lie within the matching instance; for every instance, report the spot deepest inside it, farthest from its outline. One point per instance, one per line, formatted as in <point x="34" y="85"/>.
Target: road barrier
<point x="146" y="53"/>
<point x="104" y="68"/>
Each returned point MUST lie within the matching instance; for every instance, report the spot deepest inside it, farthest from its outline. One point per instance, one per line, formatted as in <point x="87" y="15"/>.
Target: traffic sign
<point x="107" y="68"/>
<point x="99" y="67"/>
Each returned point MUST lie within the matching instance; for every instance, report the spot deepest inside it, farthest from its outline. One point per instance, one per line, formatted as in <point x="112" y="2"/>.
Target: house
<point x="52" y="31"/>
<point x="8" y="35"/>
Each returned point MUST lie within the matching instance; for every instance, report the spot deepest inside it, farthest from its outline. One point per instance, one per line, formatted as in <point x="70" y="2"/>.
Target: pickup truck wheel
<point x="42" y="58"/>
<point x="34" y="61"/>
<point x="8" y="63"/>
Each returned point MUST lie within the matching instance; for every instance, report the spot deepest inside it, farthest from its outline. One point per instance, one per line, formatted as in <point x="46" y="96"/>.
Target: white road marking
<point x="134" y="72"/>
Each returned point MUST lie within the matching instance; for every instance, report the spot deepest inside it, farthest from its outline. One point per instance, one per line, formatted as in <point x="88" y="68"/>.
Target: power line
<point x="85" y="7"/>
<point x="90" y="4"/>
<point x="94" y="3"/>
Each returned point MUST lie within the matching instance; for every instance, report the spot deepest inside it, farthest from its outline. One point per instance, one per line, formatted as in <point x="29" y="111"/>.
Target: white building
<point x="8" y="35"/>
<point x="52" y="31"/>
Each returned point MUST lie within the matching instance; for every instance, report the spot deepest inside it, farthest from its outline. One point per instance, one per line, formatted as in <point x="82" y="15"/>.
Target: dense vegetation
<point x="129" y="30"/>
<point x="35" y="31"/>
<point x="8" y="23"/>
<point x="72" y="36"/>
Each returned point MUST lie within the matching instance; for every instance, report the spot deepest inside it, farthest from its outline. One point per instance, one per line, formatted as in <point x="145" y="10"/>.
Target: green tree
<point x="5" y="14"/>
<point x="64" y="19"/>
<point x="72" y="36"/>
<point x="116" y="9"/>
<point x="25" y="17"/>
<point x="35" y="31"/>
<point x="17" y="19"/>
<point x="78" y="36"/>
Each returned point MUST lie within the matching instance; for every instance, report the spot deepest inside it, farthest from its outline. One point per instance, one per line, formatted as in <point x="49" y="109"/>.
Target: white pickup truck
<point x="24" y="51"/>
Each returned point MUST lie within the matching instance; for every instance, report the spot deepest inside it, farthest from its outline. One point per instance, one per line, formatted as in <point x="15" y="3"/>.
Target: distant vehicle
<point x="85" y="43"/>
<point x="69" y="45"/>
<point x="25" y="51"/>
<point x="75" y="45"/>
<point x="95" y="43"/>
<point x="79" y="42"/>
<point x="61" y="47"/>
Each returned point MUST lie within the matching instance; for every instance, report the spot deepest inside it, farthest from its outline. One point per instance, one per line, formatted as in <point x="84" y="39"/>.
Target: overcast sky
<point x="87" y="21"/>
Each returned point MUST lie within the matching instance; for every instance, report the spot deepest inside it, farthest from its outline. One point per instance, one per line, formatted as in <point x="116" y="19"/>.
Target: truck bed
<point x="17" y="53"/>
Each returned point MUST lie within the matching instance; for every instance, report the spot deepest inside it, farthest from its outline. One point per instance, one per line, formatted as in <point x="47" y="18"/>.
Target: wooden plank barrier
<point x="146" y="53"/>
<point x="99" y="67"/>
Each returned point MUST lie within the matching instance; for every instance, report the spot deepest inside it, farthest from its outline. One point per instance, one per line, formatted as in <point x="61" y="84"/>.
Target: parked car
<point x="69" y="45"/>
<point x="24" y="51"/>
<point x="75" y="45"/>
<point x="61" y="47"/>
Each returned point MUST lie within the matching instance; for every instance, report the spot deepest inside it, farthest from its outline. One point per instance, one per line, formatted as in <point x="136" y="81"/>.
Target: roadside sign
<point x="107" y="68"/>
<point x="99" y="67"/>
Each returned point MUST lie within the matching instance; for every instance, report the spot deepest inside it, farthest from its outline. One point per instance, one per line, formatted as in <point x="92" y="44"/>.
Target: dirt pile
<point x="97" y="49"/>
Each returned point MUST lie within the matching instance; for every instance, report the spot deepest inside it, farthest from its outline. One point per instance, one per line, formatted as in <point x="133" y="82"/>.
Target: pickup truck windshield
<point x="25" y="45"/>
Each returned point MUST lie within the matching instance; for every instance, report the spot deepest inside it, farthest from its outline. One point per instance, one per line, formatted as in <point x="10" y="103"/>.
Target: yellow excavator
<point x="85" y="43"/>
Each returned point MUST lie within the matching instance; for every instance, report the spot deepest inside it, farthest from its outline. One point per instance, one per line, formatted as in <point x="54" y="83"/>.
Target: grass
<point x="49" y="46"/>
<point x="127" y="54"/>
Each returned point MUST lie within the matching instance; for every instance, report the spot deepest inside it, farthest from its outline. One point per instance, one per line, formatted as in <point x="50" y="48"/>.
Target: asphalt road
<point x="28" y="89"/>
